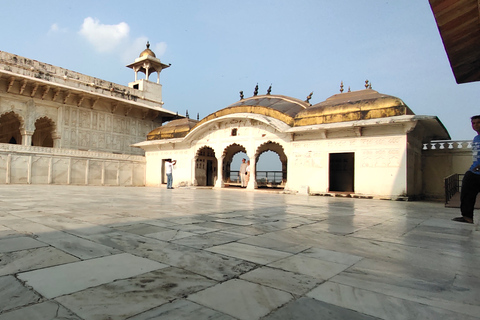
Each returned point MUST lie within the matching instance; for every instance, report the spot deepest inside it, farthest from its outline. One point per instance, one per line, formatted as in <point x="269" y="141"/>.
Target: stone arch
<point x="228" y="153"/>
<point x="11" y="125"/>
<point x="44" y="131"/>
<point x="206" y="167"/>
<point x="272" y="181"/>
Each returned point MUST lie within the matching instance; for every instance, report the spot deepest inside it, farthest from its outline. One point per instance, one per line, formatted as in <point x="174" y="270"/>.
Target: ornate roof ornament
<point x="341" y="87"/>
<point x="309" y="97"/>
<point x="269" y="90"/>
<point x="256" y="90"/>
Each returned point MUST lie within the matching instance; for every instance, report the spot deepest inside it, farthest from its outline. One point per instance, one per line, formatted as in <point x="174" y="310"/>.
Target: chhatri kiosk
<point x="361" y="143"/>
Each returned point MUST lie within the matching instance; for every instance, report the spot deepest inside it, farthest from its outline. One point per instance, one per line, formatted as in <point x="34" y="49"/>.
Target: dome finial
<point x="148" y="44"/>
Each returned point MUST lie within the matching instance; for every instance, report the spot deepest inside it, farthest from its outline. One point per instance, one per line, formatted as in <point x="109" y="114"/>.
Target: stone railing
<point x="440" y="145"/>
<point x="39" y="165"/>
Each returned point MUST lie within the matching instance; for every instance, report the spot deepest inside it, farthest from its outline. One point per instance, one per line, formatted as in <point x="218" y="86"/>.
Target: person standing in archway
<point x="169" y="172"/>
<point x="247" y="173"/>
<point x="242" y="172"/>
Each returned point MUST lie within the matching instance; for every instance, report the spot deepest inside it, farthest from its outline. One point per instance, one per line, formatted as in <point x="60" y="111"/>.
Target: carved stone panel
<point x="40" y="167"/>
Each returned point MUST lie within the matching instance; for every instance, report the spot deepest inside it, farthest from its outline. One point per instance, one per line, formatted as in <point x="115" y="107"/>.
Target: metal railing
<point x="264" y="178"/>
<point x="453" y="184"/>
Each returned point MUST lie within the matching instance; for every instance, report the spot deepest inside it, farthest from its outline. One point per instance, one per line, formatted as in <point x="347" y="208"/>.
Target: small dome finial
<point x="366" y="84"/>
<point x="148" y="44"/>
<point x="341" y="87"/>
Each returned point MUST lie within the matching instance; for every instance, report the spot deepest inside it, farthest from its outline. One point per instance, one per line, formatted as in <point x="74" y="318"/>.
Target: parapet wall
<point x="441" y="159"/>
<point x="38" y="165"/>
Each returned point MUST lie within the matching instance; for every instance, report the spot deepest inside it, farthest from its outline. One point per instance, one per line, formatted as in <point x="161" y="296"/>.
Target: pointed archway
<point x="43" y="135"/>
<point x="10" y="125"/>
<point x="205" y="167"/>
<point x="271" y="178"/>
<point x="231" y="177"/>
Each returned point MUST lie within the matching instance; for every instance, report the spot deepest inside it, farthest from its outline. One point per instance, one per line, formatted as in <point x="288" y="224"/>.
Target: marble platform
<point x="76" y="252"/>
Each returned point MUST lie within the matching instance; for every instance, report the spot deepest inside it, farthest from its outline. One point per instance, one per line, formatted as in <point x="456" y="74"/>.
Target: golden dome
<point x="352" y="106"/>
<point x="178" y="128"/>
<point x="147" y="52"/>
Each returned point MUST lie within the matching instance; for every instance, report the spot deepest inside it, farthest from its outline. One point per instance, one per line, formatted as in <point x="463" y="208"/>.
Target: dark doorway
<point x="210" y="176"/>
<point x="341" y="174"/>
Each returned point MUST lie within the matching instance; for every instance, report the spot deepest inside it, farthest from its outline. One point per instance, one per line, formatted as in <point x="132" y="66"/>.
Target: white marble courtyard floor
<point x="71" y="252"/>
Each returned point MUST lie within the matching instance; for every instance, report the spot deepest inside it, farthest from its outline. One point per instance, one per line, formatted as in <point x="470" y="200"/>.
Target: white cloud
<point x="104" y="37"/>
<point x="54" y="28"/>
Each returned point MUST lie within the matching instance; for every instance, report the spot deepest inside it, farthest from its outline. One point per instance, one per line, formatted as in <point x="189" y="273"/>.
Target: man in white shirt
<point x="242" y="172"/>
<point x="169" y="171"/>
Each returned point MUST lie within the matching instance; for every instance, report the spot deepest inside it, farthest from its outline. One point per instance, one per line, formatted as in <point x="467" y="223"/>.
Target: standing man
<point x="471" y="179"/>
<point x="169" y="171"/>
<point x="242" y="172"/>
<point x="247" y="173"/>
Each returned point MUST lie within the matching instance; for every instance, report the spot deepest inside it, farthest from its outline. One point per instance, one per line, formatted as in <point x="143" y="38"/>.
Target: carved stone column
<point x="220" y="183"/>
<point x="27" y="137"/>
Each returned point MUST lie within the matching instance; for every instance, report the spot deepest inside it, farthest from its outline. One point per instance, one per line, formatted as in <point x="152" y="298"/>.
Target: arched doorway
<point x="205" y="167"/>
<point x="10" y="128"/>
<point x="42" y="136"/>
<point x="230" y="175"/>
<point x="273" y="176"/>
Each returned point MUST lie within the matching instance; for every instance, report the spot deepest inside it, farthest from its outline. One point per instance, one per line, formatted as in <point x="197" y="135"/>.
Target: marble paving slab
<point x="124" y="298"/>
<point x="68" y="278"/>
<point x="205" y="263"/>
<point x="241" y="299"/>
<point x="303" y="264"/>
<point x="170" y="235"/>
<point x="76" y="246"/>
<point x="181" y="309"/>
<point x="250" y="253"/>
<point x="307" y="308"/>
<point x="294" y="283"/>
<point x="447" y="290"/>
<point x="380" y="305"/>
<point x="209" y="240"/>
<point x="13" y="294"/>
<point x="275" y="242"/>
<point x="25" y="260"/>
<point x="19" y="243"/>
<point x="47" y="310"/>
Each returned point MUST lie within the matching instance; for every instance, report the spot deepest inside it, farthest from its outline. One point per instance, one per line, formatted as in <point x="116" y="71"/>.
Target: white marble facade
<point x="50" y="115"/>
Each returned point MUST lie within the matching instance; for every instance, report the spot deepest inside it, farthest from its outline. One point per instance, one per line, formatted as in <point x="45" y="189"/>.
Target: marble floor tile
<point x="380" y="305"/>
<point x="303" y="264"/>
<point x="275" y="242"/>
<point x="241" y="299"/>
<point x="332" y="256"/>
<point x="25" y="260"/>
<point x="13" y="294"/>
<point x="19" y="243"/>
<point x="78" y="247"/>
<point x="128" y="297"/>
<point x="311" y="309"/>
<point x="141" y="228"/>
<point x="181" y="309"/>
<point x="447" y="290"/>
<point x="170" y="235"/>
<point x="236" y="221"/>
<point x="209" y="240"/>
<point x="47" y="310"/>
<point x="68" y="278"/>
<point x="284" y="256"/>
<point x="250" y="253"/>
<point x="294" y="283"/>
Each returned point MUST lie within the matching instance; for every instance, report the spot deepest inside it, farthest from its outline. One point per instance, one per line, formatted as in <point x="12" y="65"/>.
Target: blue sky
<point x="219" y="47"/>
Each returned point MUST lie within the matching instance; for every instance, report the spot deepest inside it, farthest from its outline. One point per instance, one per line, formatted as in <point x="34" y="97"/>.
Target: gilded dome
<point x="352" y="106"/>
<point x="147" y="52"/>
<point x="178" y="128"/>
